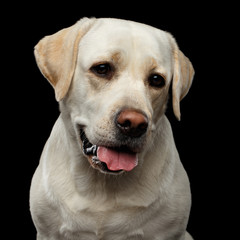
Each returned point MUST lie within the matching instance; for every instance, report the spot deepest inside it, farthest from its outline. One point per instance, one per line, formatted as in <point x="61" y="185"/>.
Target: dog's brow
<point x="114" y="56"/>
<point x="152" y="63"/>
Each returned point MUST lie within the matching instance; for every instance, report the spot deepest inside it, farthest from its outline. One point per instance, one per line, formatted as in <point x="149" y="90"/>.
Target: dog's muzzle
<point x="131" y="125"/>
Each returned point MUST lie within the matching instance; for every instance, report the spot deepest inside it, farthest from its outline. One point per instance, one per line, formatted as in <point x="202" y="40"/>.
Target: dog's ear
<point x="182" y="78"/>
<point x="56" y="55"/>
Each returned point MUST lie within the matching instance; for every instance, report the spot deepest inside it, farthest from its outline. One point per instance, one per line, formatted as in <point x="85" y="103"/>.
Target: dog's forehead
<point x="113" y="35"/>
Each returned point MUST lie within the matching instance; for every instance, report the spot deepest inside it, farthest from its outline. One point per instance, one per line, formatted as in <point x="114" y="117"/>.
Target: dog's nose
<point x="132" y="123"/>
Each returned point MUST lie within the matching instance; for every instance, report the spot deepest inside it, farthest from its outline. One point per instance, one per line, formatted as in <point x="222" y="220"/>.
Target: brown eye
<point x="103" y="70"/>
<point x="156" y="80"/>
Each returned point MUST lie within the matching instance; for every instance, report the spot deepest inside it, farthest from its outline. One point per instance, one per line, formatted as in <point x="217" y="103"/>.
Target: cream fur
<point x="71" y="200"/>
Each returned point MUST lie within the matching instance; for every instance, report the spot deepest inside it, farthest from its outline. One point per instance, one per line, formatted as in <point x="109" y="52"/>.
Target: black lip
<point x="91" y="149"/>
<point x="88" y="148"/>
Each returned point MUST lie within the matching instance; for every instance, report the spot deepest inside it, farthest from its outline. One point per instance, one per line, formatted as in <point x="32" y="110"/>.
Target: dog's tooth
<point x="87" y="147"/>
<point x="91" y="150"/>
<point x="95" y="160"/>
<point x="88" y="151"/>
<point x="85" y="151"/>
<point x="95" y="147"/>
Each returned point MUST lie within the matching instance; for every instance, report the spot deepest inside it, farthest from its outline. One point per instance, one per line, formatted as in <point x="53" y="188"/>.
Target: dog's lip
<point x="91" y="152"/>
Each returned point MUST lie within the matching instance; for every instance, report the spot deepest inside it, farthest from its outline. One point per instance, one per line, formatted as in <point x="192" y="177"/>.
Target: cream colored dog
<point x="110" y="169"/>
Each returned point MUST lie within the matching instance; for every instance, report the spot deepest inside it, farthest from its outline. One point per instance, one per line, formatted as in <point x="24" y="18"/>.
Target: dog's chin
<point x="113" y="160"/>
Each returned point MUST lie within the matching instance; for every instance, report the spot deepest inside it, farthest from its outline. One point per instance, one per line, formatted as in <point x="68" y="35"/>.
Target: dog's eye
<point x="156" y="80"/>
<point x="102" y="70"/>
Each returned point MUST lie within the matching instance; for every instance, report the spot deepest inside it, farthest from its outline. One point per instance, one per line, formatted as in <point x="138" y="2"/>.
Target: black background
<point x="29" y="109"/>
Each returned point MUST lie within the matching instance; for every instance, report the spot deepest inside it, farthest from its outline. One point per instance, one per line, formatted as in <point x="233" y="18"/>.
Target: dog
<point x="110" y="169"/>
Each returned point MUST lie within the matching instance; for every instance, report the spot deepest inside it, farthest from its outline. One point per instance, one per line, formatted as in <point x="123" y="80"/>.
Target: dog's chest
<point x="102" y="225"/>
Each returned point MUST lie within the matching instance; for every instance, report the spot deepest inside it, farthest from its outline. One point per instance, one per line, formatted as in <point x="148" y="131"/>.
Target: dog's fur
<point x="69" y="198"/>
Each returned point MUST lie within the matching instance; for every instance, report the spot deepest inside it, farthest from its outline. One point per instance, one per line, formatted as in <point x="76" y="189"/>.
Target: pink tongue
<point x="117" y="160"/>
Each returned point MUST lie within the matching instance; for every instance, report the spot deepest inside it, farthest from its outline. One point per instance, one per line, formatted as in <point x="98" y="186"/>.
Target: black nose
<point x="132" y="123"/>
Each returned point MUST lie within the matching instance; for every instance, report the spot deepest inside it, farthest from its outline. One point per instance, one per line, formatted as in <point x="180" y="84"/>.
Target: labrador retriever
<point x="110" y="169"/>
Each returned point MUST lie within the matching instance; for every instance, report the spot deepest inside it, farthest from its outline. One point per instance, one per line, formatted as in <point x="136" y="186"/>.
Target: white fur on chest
<point x="95" y="220"/>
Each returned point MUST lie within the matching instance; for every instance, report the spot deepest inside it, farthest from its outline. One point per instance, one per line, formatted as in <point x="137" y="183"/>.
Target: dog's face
<point x="112" y="77"/>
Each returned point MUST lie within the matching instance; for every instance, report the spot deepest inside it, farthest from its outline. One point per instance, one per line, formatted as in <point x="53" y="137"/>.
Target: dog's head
<point x="112" y="78"/>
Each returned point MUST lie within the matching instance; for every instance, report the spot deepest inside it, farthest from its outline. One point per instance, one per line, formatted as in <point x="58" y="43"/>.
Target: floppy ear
<point x="56" y="55"/>
<point x="182" y="78"/>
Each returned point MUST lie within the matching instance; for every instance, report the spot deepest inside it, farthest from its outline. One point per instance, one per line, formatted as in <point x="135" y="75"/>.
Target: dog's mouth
<point x="110" y="160"/>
